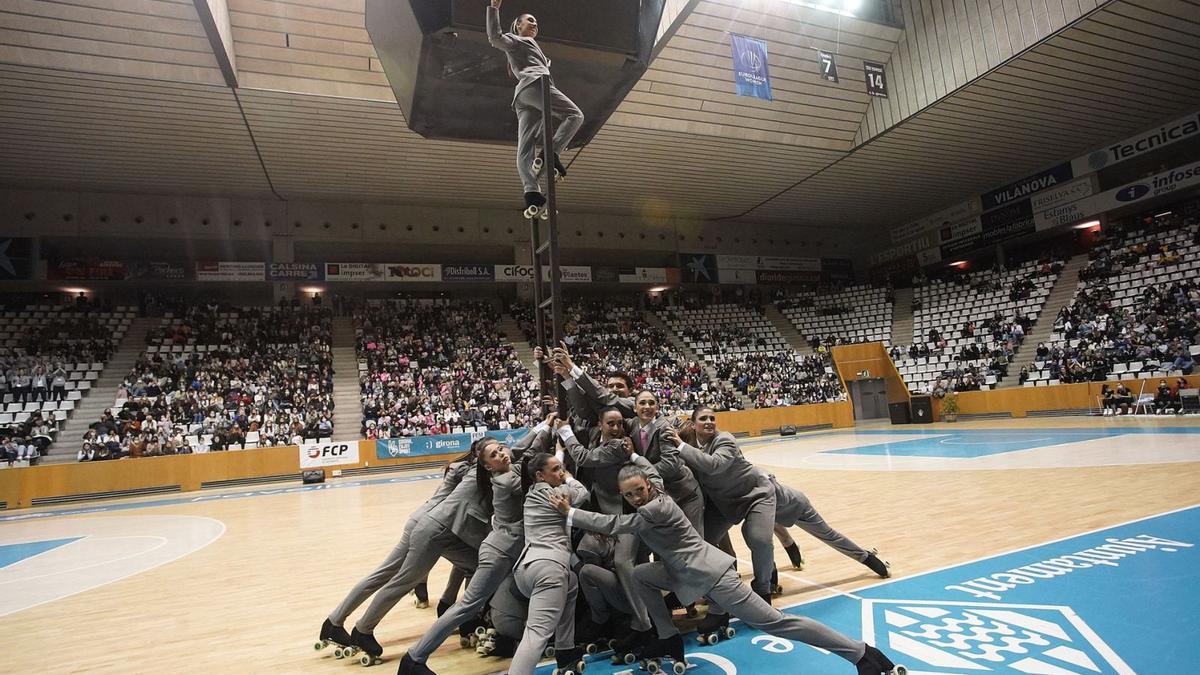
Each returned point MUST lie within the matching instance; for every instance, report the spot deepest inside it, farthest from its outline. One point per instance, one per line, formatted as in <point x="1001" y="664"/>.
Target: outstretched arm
<point x="596" y="522"/>
<point x="496" y="37"/>
<point x="724" y="453"/>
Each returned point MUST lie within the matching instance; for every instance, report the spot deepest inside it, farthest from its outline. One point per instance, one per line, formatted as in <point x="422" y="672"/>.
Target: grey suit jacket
<point x="508" y="497"/>
<point x="450" y="480"/>
<point x="547" y="537"/>
<point x="600" y="397"/>
<point x="604" y="461"/>
<point x="525" y="57"/>
<point x="464" y="512"/>
<point x="791" y="506"/>
<point x="693" y="565"/>
<point x="681" y="484"/>
<point x="728" y="479"/>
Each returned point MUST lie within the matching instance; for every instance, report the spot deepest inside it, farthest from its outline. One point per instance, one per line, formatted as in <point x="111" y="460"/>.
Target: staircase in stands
<point x="1060" y="296"/>
<point x="103" y="393"/>
<point x="347" y="400"/>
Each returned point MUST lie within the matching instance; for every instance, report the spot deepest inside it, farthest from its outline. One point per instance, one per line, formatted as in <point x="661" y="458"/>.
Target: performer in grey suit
<point x="498" y="475"/>
<point x="528" y="63"/>
<point x="543" y="571"/>
<point x="737" y="490"/>
<point x="691" y="567"/>
<point x="454" y="530"/>
<point x="793" y="508"/>
<point x="332" y="630"/>
<point x="648" y="432"/>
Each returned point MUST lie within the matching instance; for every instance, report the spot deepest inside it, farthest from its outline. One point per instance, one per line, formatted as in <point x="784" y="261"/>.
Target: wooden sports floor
<point x="253" y="598"/>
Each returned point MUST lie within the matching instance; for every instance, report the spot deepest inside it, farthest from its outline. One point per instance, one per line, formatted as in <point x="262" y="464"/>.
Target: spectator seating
<point x="1134" y="313"/>
<point x="222" y="378"/>
<point x="782" y="378"/>
<point x="989" y="311"/>
<point x="65" y="343"/>
<point x="724" y="329"/>
<point x="855" y="314"/>
<point x="438" y="367"/>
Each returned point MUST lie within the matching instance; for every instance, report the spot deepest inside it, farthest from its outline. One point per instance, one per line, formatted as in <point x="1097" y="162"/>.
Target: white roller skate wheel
<point x="591" y="649"/>
<point x="338" y="653"/>
<point x="629" y="659"/>
<point x="365" y="660"/>
<point x="555" y="672"/>
<point x="481" y="631"/>
<point x="679" y="668"/>
<point x="899" y="670"/>
<point x="320" y="645"/>
<point x="729" y="633"/>
<point x="549" y="653"/>
<point x="545" y="214"/>
<point x="580" y="666"/>
<point x="653" y="666"/>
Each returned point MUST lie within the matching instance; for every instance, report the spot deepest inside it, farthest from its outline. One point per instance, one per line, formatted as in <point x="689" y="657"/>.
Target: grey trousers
<point x="604" y="593"/>
<point x="433" y="541"/>
<point x="376" y="579"/>
<point x="494" y="566"/>
<point x="693" y="510"/>
<point x="552" y="590"/>
<point x="528" y="106"/>
<point x="811" y="522"/>
<point x="509" y="609"/>
<point x="624" y="562"/>
<point x="755" y="612"/>
<point x="758" y="529"/>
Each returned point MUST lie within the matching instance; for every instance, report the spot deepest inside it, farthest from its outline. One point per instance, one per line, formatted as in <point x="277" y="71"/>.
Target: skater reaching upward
<point x="527" y="62"/>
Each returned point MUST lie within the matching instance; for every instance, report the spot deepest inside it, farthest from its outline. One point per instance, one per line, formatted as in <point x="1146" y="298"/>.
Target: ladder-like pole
<point x="543" y="302"/>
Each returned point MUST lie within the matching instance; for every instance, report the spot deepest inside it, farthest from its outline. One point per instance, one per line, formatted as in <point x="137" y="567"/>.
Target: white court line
<point x="802" y="580"/>
<point x="162" y="541"/>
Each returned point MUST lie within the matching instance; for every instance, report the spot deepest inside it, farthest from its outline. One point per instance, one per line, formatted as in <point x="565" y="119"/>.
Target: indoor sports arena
<point x="617" y="337"/>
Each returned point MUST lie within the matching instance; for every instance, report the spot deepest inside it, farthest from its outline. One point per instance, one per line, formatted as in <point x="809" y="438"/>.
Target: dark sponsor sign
<point x="467" y="273"/>
<point x="166" y="271"/>
<point x="837" y="269"/>
<point x="997" y="225"/>
<point x="698" y="268"/>
<point x="1026" y="186"/>
<point x="87" y="270"/>
<point x="786" y="277"/>
<point x="876" y="77"/>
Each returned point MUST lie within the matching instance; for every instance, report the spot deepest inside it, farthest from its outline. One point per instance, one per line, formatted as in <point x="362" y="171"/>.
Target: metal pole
<point x="552" y="204"/>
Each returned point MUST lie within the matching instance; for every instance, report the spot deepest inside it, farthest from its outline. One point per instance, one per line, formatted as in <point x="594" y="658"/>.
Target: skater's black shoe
<point x="590" y="635"/>
<point x="559" y="168"/>
<point x="793" y="552"/>
<point x="422" y="593"/>
<point x="365" y="643"/>
<point x="410" y="667"/>
<point x="443" y="607"/>
<point x="503" y="646"/>
<point x="665" y="649"/>
<point x="539" y="163"/>
<point x="877" y="565"/>
<point x="570" y="662"/>
<point x="471" y="632"/>
<point x="628" y="648"/>
<point x="332" y="635"/>
<point x="714" y="628"/>
<point x="776" y="589"/>
<point x="873" y="662"/>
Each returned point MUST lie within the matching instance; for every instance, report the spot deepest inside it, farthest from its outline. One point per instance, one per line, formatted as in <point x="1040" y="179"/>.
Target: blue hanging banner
<point x="750" y="72"/>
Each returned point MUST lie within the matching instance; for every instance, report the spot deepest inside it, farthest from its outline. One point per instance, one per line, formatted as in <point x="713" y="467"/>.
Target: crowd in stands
<point x="782" y="378"/>
<point x="1128" y="316"/>
<point x="606" y="336"/>
<point x="249" y="376"/>
<point x="429" y="367"/>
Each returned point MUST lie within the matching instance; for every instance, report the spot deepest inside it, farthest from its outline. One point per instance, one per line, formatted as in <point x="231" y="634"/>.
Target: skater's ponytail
<point x="472" y="455"/>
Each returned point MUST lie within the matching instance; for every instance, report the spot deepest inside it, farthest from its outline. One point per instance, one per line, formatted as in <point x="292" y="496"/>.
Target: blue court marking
<point x="1117" y="600"/>
<point x="197" y="497"/>
<point x="971" y="443"/>
<point x="14" y="553"/>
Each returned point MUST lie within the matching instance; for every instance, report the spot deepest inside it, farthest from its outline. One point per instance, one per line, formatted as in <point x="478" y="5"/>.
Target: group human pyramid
<point x="609" y="500"/>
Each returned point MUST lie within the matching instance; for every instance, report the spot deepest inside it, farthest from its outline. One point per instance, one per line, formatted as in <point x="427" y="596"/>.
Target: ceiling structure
<point x="120" y="96"/>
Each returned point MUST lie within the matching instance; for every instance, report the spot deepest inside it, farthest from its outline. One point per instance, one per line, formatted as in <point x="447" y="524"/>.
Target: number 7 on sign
<point x="827" y="66"/>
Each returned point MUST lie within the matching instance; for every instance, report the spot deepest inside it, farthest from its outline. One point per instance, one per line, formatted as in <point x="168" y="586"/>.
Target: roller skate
<point x="793" y="552"/>
<point x="422" y="593"/>
<point x="673" y="604"/>
<point x="539" y="163"/>
<point x="665" y="649"/>
<point x="535" y="203"/>
<point x="570" y="662"/>
<point x="627" y="649"/>
<point x="365" y="646"/>
<point x="443" y="607"/>
<point x="410" y="667"/>
<point x="713" y="629"/>
<point x="471" y="632"/>
<point x="333" y="635"/>
<point x="873" y="662"/>
<point x="776" y="588"/>
<point x="877" y="565"/>
<point x="592" y="637"/>
<point x="497" y="644"/>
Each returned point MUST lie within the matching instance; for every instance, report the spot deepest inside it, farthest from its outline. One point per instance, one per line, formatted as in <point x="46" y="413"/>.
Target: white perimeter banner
<point x="231" y="271"/>
<point x="934" y="221"/>
<point x="767" y="262"/>
<point x="354" y="272"/>
<point x="410" y="272"/>
<point x="1153" y="186"/>
<point x="318" y="455"/>
<point x="570" y="273"/>
<point x="737" y="276"/>
<point x="653" y="275"/>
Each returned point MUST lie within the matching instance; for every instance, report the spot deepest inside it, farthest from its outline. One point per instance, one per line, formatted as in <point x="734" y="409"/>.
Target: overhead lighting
<point x="76" y="291"/>
<point x="659" y="289"/>
<point x="843" y="7"/>
<point x="312" y="289"/>
<point x="1164" y="213"/>
<point x="959" y="263"/>
<point x="1086" y="226"/>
